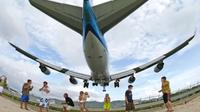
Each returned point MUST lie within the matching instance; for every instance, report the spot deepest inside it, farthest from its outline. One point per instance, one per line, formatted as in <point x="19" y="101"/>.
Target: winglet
<point x="192" y="37"/>
<point x="12" y="45"/>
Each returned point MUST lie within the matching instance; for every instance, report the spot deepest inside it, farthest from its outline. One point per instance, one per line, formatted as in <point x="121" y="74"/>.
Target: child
<point x="107" y="103"/>
<point x="85" y="97"/>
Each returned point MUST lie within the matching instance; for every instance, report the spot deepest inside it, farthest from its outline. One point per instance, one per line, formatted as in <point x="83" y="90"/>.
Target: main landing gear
<point x="116" y="83"/>
<point x="94" y="84"/>
<point x="86" y="84"/>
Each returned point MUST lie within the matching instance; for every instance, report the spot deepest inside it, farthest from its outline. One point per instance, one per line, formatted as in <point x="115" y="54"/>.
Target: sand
<point x="9" y="106"/>
<point x="191" y="106"/>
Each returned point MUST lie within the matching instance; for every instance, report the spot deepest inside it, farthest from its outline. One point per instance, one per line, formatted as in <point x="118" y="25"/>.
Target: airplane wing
<point x="158" y="60"/>
<point x="56" y="68"/>
<point x="68" y="15"/>
<point x="111" y="13"/>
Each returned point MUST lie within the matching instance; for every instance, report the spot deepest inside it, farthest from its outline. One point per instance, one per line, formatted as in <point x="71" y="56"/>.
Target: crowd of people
<point x="69" y="104"/>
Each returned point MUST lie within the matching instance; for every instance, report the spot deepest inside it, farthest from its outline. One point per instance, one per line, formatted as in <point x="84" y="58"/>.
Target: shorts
<point x="82" y="104"/>
<point x="130" y="106"/>
<point x="166" y="97"/>
<point x="44" y="102"/>
<point x="25" y="98"/>
<point x="106" y="106"/>
<point x="67" y="107"/>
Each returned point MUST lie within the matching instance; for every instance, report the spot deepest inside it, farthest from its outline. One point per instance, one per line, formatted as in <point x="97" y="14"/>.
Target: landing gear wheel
<point x="116" y="83"/>
<point x="86" y="84"/>
<point x="94" y="84"/>
<point x="104" y="89"/>
<point x="104" y="86"/>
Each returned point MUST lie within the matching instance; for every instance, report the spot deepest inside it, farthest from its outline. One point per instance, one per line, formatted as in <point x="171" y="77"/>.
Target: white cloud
<point x="13" y="27"/>
<point x="152" y="30"/>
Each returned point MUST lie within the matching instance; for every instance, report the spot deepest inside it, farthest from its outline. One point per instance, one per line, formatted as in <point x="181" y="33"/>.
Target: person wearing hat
<point x="68" y="103"/>
<point x="166" y="93"/>
<point x="129" y="99"/>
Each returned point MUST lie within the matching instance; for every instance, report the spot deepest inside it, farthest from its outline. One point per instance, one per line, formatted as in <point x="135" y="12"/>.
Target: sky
<point x="154" y="29"/>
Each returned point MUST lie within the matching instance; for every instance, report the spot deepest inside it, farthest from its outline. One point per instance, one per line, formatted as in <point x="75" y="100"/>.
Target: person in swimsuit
<point x="44" y="103"/>
<point x="25" y="94"/>
<point x="107" y="104"/>
<point x="81" y="101"/>
<point x="85" y="97"/>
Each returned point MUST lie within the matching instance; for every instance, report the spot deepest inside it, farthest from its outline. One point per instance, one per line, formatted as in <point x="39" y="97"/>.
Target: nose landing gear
<point x="104" y="86"/>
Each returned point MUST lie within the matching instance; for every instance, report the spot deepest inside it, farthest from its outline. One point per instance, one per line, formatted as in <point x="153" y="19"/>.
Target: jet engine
<point x="131" y="79"/>
<point x="159" y="67"/>
<point x="73" y="80"/>
<point x="44" y="69"/>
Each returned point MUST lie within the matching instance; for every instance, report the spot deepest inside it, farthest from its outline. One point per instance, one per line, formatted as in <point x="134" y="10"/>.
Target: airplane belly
<point x="96" y="56"/>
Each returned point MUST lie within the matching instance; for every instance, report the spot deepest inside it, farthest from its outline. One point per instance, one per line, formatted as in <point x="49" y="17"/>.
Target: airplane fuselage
<point x="94" y="46"/>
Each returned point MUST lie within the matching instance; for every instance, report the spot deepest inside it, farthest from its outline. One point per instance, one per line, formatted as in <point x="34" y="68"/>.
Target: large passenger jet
<point x="92" y="22"/>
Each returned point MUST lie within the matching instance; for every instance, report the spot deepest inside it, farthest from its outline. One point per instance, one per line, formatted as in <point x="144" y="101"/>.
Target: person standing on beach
<point x="85" y="97"/>
<point x="81" y="101"/>
<point x="25" y="94"/>
<point x="44" y="101"/>
<point x="68" y="103"/>
<point x="107" y="104"/>
<point x="129" y="99"/>
<point x="166" y="93"/>
<point x="1" y="86"/>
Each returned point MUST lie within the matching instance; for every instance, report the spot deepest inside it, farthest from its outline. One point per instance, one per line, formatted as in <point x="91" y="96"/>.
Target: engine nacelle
<point x="159" y="67"/>
<point x="73" y="80"/>
<point x="131" y="79"/>
<point x="44" y="69"/>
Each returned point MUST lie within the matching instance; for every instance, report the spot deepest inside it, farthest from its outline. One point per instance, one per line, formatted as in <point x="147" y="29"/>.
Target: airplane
<point x="92" y="22"/>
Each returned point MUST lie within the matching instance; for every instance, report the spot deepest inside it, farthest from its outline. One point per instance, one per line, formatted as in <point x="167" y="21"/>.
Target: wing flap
<point x="54" y="67"/>
<point x="151" y="63"/>
<point x="68" y="15"/>
<point x="111" y="13"/>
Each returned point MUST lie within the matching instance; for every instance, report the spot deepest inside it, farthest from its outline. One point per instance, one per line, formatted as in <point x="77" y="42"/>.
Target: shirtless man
<point x="44" y="103"/>
<point x="25" y="94"/>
